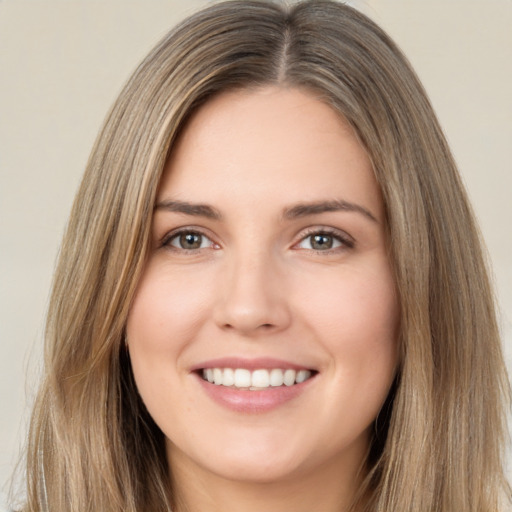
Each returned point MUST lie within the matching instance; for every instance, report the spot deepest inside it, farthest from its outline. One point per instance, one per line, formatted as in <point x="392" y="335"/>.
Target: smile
<point x="255" y="380"/>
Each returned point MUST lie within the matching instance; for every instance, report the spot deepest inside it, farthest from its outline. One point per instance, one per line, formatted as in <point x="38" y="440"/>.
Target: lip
<point x="260" y="363"/>
<point x="252" y="402"/>
<point x="244" y="401"/>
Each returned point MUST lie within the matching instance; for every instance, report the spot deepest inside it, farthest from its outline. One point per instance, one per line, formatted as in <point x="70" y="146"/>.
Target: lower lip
<point x="241" y="400"/>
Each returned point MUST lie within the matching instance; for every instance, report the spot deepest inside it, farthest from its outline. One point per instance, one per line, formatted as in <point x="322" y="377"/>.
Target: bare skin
<point x="270" y="253"/>
<point x="325" y="490"/>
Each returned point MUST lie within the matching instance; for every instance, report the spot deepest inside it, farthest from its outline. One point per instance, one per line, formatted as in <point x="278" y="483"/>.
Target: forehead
<point x="275" y="143"/>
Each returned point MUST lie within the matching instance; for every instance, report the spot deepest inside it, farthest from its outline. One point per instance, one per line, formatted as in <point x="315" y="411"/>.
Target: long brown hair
<point x="438" y="444"/>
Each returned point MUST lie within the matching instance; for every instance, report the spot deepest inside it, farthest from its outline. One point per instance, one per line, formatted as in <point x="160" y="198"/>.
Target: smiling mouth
<point x="255" y="380"/>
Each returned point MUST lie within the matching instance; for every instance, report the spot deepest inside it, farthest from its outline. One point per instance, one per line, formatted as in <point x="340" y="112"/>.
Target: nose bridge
<point x="253" y="296"/>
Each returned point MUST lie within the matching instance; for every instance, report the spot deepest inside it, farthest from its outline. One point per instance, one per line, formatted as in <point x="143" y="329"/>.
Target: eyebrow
<point x="315" y="208"/>
<point x="293" y="212"/>
<point x="195" y="209"/>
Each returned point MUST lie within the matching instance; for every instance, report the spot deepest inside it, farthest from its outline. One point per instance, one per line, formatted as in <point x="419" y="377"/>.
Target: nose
<point x="252" y="298"/>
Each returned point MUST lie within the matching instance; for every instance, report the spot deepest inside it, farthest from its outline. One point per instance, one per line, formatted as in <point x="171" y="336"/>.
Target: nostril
<point x="262" y="326"/>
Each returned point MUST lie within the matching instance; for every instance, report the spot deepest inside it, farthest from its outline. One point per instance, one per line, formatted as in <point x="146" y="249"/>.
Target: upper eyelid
<point x="346" y="240"/>
<point x="188" y="228"/>
<point x="325" y="230"/>
<point x="169" y="235"/>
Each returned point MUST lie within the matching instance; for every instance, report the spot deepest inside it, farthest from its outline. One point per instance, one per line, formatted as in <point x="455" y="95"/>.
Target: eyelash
<point x="344" y="240"/>
<point x="168" y="239"/>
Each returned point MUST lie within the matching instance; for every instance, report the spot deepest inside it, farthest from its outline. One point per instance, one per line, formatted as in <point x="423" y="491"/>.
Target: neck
<point x="330" y="488"/>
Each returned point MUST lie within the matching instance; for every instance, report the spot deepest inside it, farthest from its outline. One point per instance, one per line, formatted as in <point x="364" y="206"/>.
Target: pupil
<point x="190" y="241"/>
<point x="322" y="242"/>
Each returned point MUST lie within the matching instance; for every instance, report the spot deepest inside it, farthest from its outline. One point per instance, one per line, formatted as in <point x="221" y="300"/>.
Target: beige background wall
<point x="63" y="62"/>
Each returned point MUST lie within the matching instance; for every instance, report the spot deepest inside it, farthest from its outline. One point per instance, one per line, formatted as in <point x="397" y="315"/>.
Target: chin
<point x="255" y="471"/>
<point x="253" y="460"/>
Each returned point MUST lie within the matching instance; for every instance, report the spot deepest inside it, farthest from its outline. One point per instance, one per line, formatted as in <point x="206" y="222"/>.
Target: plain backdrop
<point x="62" y="63"/>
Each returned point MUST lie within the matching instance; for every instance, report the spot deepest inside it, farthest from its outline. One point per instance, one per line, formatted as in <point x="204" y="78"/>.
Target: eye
<point x="188" y="241"/>
<point x="325" y="241"/>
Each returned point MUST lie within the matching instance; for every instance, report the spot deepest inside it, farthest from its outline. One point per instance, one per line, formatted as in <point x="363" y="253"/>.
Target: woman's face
<point x="269" y="274"/>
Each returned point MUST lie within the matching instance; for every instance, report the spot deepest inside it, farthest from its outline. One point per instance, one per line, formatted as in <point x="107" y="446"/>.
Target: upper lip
<point x="260" y="363"/>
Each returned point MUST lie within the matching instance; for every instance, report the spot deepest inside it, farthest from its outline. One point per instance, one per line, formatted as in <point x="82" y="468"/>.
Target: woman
<point x="271" y="294"/>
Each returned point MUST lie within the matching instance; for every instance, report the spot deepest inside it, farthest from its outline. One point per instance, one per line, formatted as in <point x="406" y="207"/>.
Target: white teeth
<point x="255" y="380"/>
<point x="217" y="376"/>
<point x="228" y="377"/>
<point x="242" y="378"/>
<point x="276" y="377"/>
<point x="289" y="377"/>
<point x="260" y="379"/>
<point x="302" y="375"/>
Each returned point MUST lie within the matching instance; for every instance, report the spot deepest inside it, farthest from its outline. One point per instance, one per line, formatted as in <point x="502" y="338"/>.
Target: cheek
<point x="163" y="320"/>
<point x="166" y="311"/>
<point x="355" y="303"/>
<point x="355" y="315"/>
